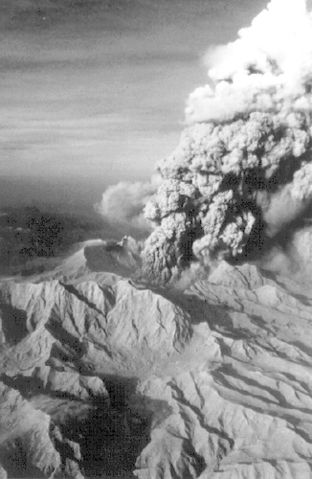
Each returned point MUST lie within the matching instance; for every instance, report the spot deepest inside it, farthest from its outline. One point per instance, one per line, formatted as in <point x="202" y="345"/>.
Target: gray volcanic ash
<point x="246" y="151"/>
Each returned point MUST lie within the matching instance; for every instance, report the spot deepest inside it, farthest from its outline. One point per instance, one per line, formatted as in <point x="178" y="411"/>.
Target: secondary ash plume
<point x="241" y="170"/>
<point x="124" y="202"/>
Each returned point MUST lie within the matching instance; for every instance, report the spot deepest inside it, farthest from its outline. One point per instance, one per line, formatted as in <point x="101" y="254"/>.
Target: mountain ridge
<point x="215" y="378"/>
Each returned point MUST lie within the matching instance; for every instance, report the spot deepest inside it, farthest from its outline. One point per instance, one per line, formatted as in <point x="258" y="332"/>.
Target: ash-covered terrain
<point x="103" y="377"/>
<point x="186" y="354"/>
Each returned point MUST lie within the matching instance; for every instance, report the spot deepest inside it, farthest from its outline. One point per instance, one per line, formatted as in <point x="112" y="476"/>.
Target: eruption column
<point x="247" y="144"/>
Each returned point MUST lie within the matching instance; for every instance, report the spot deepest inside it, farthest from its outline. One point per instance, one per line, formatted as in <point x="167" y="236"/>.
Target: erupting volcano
<point x="183" y="352"/>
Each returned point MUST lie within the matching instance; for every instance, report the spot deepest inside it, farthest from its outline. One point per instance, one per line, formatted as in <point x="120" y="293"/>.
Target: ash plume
<point x="242" y="169"/>
<point x="124" y="202"/>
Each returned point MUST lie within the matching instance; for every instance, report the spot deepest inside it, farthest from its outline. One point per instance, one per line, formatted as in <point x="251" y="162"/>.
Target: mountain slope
<point x="243" y="409"/>
<point x="214" y="382"/>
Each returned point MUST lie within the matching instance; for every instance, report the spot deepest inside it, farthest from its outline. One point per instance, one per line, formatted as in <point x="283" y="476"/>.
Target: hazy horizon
<point x="93" y="92"/>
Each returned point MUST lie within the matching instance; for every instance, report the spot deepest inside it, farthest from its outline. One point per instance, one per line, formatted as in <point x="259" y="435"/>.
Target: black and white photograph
<point x="156" y="239"/>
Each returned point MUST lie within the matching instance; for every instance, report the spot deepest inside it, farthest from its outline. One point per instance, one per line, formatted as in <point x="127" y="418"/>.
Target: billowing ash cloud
<point x="241" y="170"/>
<point x="125" y="201"/>
<point x="268" y="68"/>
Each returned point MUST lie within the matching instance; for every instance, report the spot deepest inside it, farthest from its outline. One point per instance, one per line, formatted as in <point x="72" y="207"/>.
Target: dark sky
<point x="94" y="90"/>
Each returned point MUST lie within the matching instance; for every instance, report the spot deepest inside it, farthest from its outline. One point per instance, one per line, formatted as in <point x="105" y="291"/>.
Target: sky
<point x="93" y="91"/>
